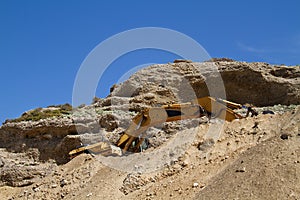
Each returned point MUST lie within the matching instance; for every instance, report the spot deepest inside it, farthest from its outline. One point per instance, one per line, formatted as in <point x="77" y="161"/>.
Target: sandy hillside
<point x="252" y="158"/>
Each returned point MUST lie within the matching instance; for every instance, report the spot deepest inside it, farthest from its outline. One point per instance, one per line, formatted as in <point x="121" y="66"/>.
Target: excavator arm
<point x="155" y="116"/>
<point x="133" y="137"/>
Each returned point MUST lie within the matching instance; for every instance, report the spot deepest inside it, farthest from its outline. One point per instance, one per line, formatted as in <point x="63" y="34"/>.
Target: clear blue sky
<point x="43" y="43"/>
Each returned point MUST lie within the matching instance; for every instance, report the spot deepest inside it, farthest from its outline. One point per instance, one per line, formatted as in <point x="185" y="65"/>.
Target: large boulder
<point x="257" y="83"/>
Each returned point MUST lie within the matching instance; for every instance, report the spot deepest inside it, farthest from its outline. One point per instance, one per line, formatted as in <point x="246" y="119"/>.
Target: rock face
<point x="260" y="84"/>
<point x="31" y="150"/>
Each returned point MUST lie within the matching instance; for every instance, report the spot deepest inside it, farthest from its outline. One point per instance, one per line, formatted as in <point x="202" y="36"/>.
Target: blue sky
<point x="43" y="43"/>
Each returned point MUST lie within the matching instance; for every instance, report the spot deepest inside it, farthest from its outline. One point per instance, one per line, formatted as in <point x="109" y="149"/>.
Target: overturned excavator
<point x="134" y="137"/>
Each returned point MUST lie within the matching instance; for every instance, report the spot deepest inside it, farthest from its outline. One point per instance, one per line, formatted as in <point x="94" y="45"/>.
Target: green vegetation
<point x="96" y="100"/>
<point x="43" y="113"/>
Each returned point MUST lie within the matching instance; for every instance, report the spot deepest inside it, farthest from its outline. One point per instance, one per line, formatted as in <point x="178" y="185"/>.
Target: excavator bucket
<point x="102" y="148"/>
<point x="219" y="109"/>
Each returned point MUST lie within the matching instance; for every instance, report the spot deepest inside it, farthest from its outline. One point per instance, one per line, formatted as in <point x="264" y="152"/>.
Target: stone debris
<point x="284" y="136"/>
<point x="195" y="185"/>
<point x="132" y="182"/>
<point x="241" y="170"/>
<point x="89" y="194"/>
<point x="1" y="163"/>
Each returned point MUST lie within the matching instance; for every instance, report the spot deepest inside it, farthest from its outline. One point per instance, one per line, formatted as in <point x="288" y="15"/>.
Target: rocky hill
<point x="251" y="158"/>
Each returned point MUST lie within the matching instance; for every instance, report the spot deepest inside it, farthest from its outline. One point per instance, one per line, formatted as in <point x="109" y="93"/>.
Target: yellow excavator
<point x="132" y="139"/>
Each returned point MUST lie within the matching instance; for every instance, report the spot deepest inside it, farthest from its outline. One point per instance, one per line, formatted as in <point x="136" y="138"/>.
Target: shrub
<point x="40" y="113"/>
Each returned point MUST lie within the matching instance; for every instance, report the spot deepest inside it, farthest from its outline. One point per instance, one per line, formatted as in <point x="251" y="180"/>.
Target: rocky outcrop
<point x="260" y="84"/>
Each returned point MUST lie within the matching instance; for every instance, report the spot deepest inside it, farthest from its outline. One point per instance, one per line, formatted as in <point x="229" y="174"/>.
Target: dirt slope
<point x="267" y="171"/>
<point x="270" y="170"/>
